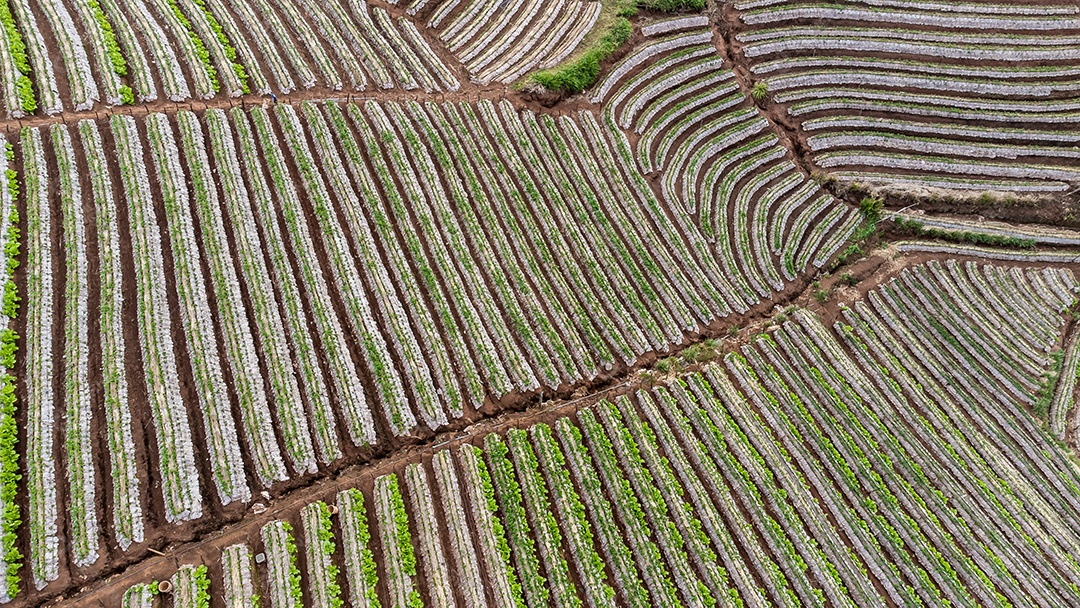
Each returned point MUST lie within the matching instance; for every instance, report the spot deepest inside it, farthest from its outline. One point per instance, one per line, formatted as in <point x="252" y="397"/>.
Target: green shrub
<point x="871" y="208"/>
<point x="580" y="74"/>
<point x="760" y="92"/>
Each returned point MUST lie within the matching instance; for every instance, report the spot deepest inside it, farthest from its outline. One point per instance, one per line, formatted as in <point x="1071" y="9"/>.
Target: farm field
<point x="539" y="303"/>
<point x="818" y="463"/>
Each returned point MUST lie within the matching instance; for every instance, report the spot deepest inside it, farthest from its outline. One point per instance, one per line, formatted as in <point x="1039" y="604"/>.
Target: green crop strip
<point x="23" y="85"/>
<point x="230" y="51"/>
<point x="404" y="539"/>
<point x="112" y="47"/>
<point x="367" y="557"/>
<point x="326" y="537"/>
<point x="202" y="587"/>
<point x="9" y="456"/>
<point x="295" y="588"/>
<point x="919" y="229"/>
<point x="200" y="47"/>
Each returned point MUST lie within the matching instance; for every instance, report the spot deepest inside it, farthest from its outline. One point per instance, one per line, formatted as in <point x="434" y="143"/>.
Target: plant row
<point x="922" y="87"/>
<point x="503" y="45"/>
<point x="200" y="48"/>
<point x="719" y="162"/>
<point x="10" y="512"/>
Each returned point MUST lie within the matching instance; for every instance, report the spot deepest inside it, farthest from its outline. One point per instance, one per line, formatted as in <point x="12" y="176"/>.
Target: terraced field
<point x="521" y="303"/>
<point x="838" y="465"/>
<point x="961" y="96"/>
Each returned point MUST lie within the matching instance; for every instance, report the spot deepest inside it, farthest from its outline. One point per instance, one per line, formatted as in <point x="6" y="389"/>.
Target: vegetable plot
<point x="991" y="108"/>
<point x="812" y="466"/>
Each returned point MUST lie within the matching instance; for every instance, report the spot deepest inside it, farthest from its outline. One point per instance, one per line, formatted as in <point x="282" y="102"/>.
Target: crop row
<point x="76" y="394"/>
<point x="202" y="47"/>
<point x="176" y="452"/>
<point x="499" y="44"/>
<point x="836" y="64"/>
<point x="719" y="162"/>
<point x="10" y="511"/>
<point x="127" y="514"/>
<point x="42" y="509"/>
<point x="195" y="315"/>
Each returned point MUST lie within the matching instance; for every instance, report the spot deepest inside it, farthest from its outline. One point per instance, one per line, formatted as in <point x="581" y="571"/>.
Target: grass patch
<point x="611" y="30"/>
<point x="1048" y="384"/>
<point x="700" y="352"/>
<point x="871" y="211"/>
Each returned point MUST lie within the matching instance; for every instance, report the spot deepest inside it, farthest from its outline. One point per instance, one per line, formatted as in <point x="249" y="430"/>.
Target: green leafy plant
<point x="497" y="528"/>
<point x="404" y="539"/>
<point x="326" y="537"/>
<point x="17" y="47"/>
<point x="367" y="557"/>
<point x="295" y="588"/>
<point x="223" y="39"/>
<point x="25" y="89"/>
<point x="202" y="587"/>
<point x="8" y="347"/>
<point x="200" y="47"/>
<point x="9" y="456"/>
